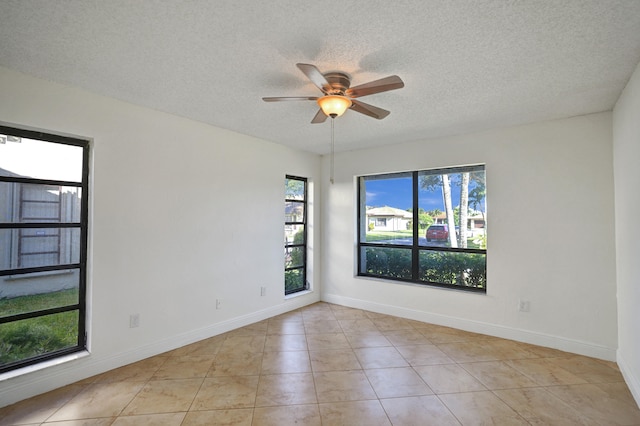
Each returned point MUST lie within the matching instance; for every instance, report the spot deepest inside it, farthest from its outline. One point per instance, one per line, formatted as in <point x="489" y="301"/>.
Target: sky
<point x="397" y="192"/>
<point x="42" y="160"/>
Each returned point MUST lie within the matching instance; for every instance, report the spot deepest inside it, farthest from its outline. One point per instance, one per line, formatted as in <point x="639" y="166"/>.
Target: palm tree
<point x="434" y="213"/>
<point x="477" y="194"/>
<point x="448" y="208"/>
<point x="464" y="208"/>
<point x="429" y="182"/>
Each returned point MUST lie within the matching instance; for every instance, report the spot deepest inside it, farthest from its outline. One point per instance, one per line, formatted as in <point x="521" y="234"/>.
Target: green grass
<point x="374" y="236"/>
<point x="472" y="244"/>
<point x="37" y="302"/>
<point x="20" y="340"/>
<point x="388" y="235"/>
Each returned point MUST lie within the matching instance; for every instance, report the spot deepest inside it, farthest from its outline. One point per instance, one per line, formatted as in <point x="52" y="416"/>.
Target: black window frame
<point x="81" y="265"/>
<point x="415" y="246"/>
<point x="292" y="245"/>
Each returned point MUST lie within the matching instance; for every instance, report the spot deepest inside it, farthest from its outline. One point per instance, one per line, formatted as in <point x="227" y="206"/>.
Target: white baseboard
<point x="633" y="380"/>
<point x="526" y="336"/>
<point x="16" y="387"/>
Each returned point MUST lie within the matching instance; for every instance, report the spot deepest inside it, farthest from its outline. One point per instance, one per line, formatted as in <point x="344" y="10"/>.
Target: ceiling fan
<point x="339" y="96"/>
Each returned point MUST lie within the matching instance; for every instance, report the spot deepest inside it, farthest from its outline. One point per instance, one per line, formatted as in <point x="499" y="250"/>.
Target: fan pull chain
<point x="332" y="150"/>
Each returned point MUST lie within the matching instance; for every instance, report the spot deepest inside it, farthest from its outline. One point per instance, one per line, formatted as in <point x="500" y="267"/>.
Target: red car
<point x="438" y="233"/>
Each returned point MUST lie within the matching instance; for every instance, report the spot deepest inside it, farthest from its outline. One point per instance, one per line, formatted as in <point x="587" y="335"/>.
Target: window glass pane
<point x="294" y="256"/>
<point x="294" y="189"/>
<point x="42" y="160"/>
<point x="448" y="198"/>
<point x="24" y="203"/>
<point x="39" y="291"/>
<point x="21" y="340"/>
<point x="29" y="248"/>
<point x="293" y="234"/>
<point x="461" y="269"/>
<point x="294" y="281"/>
<point x="386" y="216"/>
<point x="294" y="211"/>
<point x="386" y="262"/>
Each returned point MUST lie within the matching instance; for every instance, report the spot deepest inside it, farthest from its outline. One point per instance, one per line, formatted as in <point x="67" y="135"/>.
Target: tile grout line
<point x="507" y="352"/>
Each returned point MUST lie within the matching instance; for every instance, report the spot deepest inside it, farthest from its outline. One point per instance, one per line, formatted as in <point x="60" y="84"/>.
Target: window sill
<point x="42" y="365"/>
<point x="297" y="294"/>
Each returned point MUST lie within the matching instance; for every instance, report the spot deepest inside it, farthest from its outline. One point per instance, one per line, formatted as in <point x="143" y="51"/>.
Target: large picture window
<point x="43" y="246"/>
<point x="426" y="227"/>
<point x="295" y="234"/>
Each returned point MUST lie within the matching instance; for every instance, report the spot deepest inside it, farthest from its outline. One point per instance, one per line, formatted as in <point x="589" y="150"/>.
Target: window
<point x="43" y="246"/>
<point x="295" y="235"/>
<point x="435" y="228"/>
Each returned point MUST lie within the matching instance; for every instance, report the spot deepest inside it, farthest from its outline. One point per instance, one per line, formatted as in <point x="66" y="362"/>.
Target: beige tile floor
<point x="331" y="365"/>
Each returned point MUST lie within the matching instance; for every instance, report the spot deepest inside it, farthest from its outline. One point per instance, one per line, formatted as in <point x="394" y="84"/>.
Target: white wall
<point x="182" y="214"/>
<point x="551" y="235"/>
<point x="158" y="178"/>
<point x="626" y="158"/>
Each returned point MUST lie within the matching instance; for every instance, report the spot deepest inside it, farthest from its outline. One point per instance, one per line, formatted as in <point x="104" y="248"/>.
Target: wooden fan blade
<point x="315" y="76"/>
<point x="290" y="98"/>
<point x="383" y="85"/>
<point x="369" y="110"/>
<point x="320" y="117"/>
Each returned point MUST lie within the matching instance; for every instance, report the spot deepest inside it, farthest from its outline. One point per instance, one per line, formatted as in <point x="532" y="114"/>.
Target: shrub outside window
<point x="43" y="240"/>
<point x="426" y="227"/>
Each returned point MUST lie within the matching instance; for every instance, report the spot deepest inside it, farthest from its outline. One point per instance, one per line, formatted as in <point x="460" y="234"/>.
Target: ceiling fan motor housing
<point x="339" y="82"/>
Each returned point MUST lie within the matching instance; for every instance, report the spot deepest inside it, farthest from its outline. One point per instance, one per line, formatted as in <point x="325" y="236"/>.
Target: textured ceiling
<point x="467" y="65"/>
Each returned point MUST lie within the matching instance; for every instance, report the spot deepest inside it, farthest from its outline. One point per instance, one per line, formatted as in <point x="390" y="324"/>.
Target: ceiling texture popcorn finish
<point x="467" y="66"/>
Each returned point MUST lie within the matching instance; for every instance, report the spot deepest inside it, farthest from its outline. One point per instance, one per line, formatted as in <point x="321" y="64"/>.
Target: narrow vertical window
<point x="295" y="234"/>
<point x="43" y="241"/>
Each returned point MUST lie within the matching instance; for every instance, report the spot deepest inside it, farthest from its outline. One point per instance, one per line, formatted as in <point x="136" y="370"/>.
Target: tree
<point x="294" y="188"/>
<point x="297" y="252"/>
<point x="430" y="182"/>
<point x="448" y="208"/>
<point x="477" y="201"/>
<point x="456" y="215"/>
<point x="434" y="213"/>
<point x="464" y="208"/>
<point x="478" y="193"/>
<point x="424" y="219"/>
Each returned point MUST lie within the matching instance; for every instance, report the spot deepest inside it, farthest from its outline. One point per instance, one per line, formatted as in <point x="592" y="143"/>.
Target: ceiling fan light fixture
<point x="334" y="105"/>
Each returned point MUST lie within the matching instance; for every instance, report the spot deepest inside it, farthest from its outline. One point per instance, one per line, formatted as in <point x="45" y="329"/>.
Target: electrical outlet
<point x="524" y="305"/>
<point x="134" y="320"/>
<point x="263" y="291"/>
<point x="218" y="303"/>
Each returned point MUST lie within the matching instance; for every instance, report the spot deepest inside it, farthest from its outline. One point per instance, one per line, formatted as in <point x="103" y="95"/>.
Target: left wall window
<point x="43" y="246"/>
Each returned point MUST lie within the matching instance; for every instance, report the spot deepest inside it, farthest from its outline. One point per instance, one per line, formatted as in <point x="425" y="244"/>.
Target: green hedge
<point x="389" y="262"/>
<point x="461" y="269"/>
<point x="293" y="280"/>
